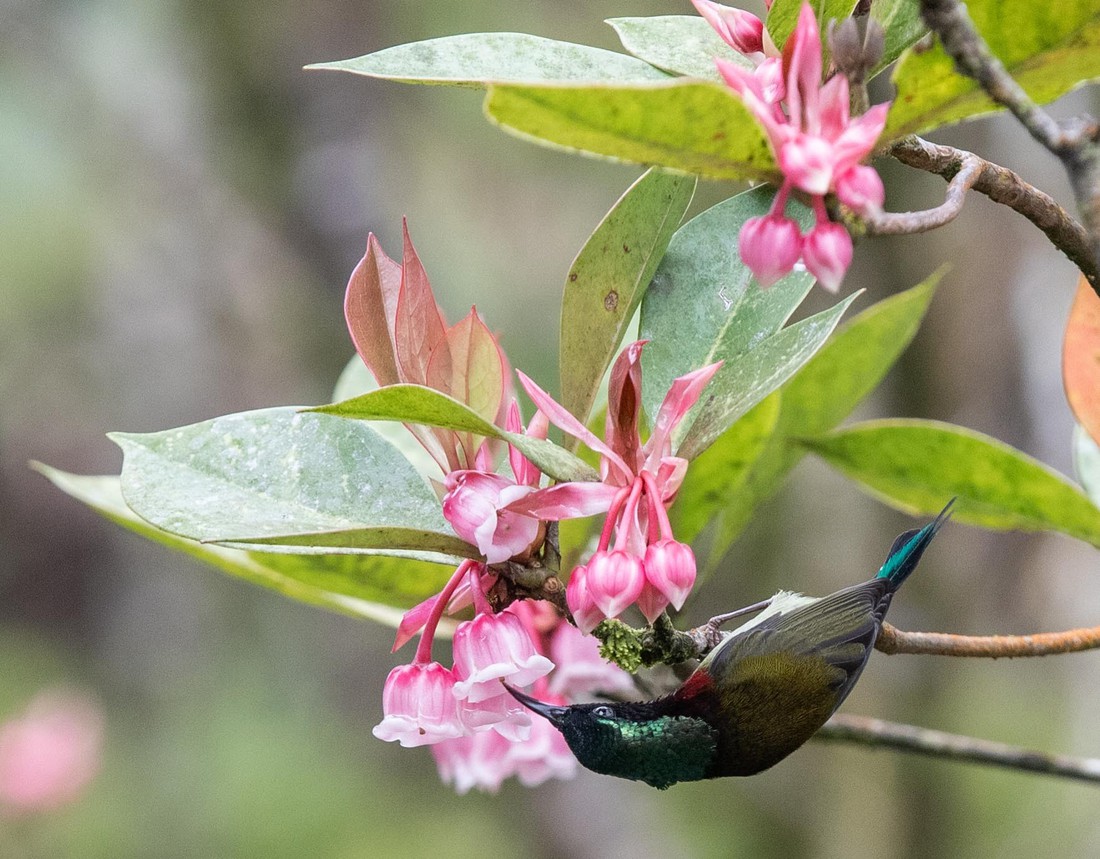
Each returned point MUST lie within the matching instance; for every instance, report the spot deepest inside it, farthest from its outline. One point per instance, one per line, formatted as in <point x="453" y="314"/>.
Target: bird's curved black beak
<point x="547" y="711"/>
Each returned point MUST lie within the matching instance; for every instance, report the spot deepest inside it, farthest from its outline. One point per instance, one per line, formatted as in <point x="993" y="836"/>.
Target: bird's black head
<point x="635" y="741"/>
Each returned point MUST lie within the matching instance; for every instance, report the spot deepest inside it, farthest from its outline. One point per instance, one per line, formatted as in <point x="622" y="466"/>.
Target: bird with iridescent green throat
<point x="762" y="692"/>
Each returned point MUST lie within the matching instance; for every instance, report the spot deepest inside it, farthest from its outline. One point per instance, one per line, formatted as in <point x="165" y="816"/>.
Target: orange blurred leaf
<point x="1081" y="359"/>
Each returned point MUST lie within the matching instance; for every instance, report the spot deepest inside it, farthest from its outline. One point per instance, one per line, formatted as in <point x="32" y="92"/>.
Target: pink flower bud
<point x="670" y="568"/>
<point x="770" y="246"/>
<point x="807" y="161"/>
<point x="827" y="253"/>
<point x="615" y="580"/>
<point x="583" y="608"/>
<point x="580" y="670"/>
<point x="50" y="753"/>
<point x="741" y="30"/>
<point x="860" y="189"/>
<point x="491" y="648"/>
<point x="473" y="507"/>
<point x="418" y="706"/>
<point x="651" y="602"/>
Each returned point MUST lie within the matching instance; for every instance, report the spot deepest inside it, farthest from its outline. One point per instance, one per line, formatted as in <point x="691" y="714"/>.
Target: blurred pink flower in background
<point x="50" y="753"/>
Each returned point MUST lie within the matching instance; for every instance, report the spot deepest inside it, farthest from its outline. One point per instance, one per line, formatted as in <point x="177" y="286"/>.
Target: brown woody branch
<point x="924" y="741"/>
<point x="1075" y="142"/>
<point x="965" y="170"/>
<point x="893" y="640"/>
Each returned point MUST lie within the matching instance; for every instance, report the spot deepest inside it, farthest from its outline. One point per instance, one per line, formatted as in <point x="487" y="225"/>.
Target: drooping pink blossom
<point x="545" y="755"/>
<point x="49" y="753"/>
<point x="492" y="648"/>
<point x="637" y="479"/>
<point x="476" y="506"/>
<point x="818" y="146"/>
<point x="418" y="706"/>
<point x="741" y="30"/>
<point x="670" y="569"/>
<point x="827" y="253"/>
<point x="481" y="761"/>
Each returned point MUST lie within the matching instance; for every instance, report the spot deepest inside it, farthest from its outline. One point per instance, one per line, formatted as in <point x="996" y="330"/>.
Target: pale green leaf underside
<point x="608" y="279"/>
<point x="917" y="466"/>
<point x="1086" y="460"/>
<point x="690" y="126"/>
<point x="1049" y="48"/>
<point x="280" y="473"/>
<point x="476" y="59"/>
<point x="372" y="587"/>
<point x="681" y="44"/>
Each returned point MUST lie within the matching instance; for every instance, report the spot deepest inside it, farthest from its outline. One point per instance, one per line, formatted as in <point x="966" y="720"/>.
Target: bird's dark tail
<point x="908" y="547"/>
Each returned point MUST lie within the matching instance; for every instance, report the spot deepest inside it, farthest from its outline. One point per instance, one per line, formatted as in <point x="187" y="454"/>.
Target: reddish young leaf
<point x="419" y="330"/>
<point x="1081" y="359"/>
<point x="624" y="404"/>
<point x="370" y="306"/>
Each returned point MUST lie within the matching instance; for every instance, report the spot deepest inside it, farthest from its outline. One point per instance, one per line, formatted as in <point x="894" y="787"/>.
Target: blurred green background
<point x="180" y="206"/>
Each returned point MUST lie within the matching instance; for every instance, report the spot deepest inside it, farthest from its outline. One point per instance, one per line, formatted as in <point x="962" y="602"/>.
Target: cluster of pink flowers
<point x="817" y="144"/>
<point x="50" y="753"/>
<point x="478" y="733"/>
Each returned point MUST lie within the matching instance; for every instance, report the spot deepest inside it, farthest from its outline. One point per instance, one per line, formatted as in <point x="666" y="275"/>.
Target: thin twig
<point x="924" y="741"/>
<point x="1076" y="142"/>
<point x="904" y="223"/>
<point x="1003" y="186"/>
<point x="893" y="640"/>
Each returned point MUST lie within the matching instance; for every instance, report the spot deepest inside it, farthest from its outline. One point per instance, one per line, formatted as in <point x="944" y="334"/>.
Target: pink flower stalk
<point x="638" y="480"/>
<point x="818" y="147"/>
<point x="50" y="753"/>
<point x="399" y="332"/>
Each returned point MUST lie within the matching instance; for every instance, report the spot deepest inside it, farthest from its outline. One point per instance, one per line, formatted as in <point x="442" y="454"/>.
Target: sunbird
<point x="762" y="692"/>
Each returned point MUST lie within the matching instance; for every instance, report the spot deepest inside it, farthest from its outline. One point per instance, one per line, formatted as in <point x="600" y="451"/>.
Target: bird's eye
<point x="603" y="712"/>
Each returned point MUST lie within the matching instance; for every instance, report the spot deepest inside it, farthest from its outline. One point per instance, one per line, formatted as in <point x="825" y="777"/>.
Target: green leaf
<point x="902" y="25"/>
<point x="684" y="125"/>
<point x="476" y="59"/>
<point x="280" y="476"/>
<point x="783" y="16"/>
<point x="749" y="377"/>
<point x="703" y="303"/>
<point x="1086" y="461"/>
<point x="716" y="480"/>
<point x="817" y="398"/>
<point x="917" y="466"/>
<point x="681" y="44"/>
<point x="417" y="404"/>
<point x="853" y="362"/>
<point x="608" y="279"/>
<point x="1049" y="48"/>
<point x="372" y="587"/>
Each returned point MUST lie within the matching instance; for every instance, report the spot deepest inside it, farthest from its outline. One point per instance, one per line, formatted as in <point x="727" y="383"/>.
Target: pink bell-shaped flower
<point x="651" y="602"/>
<point x="502" y="714"/>
<point x="491" y="648"/>
<point x="418" y="705"/>
<point x="615" y="580"/>
<point x="545" y="755"/>
<point x="481" y="761"/>
<point x="860" y="189"/>
<point x="670" y="569"/>
<point x="770" y="246"/>
<point x="827" y="252"/>
<point x="583" y="608"/>
<point x="473" y="507"/>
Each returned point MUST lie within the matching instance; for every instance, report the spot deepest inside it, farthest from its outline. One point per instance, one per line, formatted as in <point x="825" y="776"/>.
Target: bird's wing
<point x="839" y="629"/>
